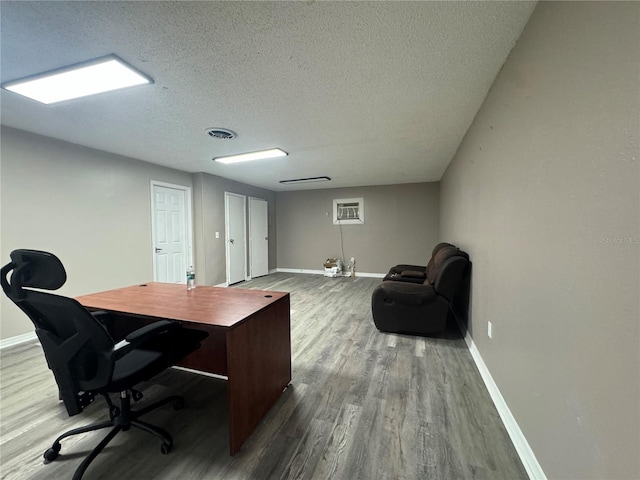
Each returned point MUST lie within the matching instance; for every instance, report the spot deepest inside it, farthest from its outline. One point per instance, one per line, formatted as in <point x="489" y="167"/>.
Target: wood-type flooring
<point x="361" y="405"/>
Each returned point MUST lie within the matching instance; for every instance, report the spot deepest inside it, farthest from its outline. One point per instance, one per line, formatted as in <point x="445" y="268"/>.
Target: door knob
<point x="231" y="240"/>
<point x="158" y="250"/>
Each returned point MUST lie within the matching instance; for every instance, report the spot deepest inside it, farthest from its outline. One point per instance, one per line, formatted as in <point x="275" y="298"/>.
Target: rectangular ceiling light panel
<point x="246" y="157"/>
<point x="97" y="76"/>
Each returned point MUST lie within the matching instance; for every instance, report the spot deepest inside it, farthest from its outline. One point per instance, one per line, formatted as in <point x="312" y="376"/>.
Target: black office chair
<point x="84" y="358"/>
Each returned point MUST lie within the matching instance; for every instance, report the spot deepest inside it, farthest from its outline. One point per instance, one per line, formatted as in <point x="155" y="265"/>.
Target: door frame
<point x="226" y="233"/>
<point x="188" y="221"/>
<point x="252" y="236"/>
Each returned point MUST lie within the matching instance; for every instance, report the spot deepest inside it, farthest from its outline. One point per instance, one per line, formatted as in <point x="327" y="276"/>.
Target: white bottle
<point x="191" y="278"/>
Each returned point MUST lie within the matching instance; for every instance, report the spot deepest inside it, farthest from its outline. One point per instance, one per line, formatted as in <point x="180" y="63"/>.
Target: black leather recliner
<point x="416" y="299"/>
<point x="85" y="359"/>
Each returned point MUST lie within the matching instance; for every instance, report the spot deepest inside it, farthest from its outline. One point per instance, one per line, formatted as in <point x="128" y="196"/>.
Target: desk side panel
<point x="259" y="368"/>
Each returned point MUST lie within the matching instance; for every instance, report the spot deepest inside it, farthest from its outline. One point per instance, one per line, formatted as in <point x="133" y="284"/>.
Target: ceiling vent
<point x="221" y="133"/>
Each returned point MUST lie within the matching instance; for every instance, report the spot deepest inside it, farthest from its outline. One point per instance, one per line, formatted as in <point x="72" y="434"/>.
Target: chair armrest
<point x="101" y="315"/>
<point x="141" y="335"/>
<point x="407" y="293"/>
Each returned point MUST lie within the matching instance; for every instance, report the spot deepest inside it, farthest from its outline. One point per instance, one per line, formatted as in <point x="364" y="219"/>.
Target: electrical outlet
<point x="489" y="329"/>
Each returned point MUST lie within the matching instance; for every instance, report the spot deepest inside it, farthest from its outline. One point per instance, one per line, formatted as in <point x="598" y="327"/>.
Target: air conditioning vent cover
<point x="221" y="133"/>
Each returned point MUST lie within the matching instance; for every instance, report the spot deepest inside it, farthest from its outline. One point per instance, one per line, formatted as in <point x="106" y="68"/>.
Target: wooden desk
<point x="249" y="339"/>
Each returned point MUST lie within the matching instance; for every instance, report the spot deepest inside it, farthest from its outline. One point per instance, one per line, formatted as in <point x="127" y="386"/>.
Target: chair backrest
<point x="76" y="345"/>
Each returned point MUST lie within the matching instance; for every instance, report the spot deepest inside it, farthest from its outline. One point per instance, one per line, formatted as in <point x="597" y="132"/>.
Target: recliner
<point x="416" y="299"/>
<point x="415" y="273"/>
<point x="84" y="358"/>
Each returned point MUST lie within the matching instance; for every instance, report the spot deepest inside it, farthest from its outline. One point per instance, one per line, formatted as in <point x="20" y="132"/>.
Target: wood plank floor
<point x="362" y="405"/>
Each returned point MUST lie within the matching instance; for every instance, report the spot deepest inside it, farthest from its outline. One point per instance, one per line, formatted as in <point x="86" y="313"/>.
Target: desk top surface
<point x="216" y="306"/>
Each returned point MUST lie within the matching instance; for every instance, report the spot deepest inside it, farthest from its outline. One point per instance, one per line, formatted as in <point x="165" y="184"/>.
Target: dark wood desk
<point x="249" y="339"/>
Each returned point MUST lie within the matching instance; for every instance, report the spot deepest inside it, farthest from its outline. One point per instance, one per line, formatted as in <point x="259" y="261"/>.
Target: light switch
<point x="217" y="234"/>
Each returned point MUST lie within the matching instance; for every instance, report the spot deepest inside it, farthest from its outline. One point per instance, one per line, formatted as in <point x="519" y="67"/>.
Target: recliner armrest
<point x="407" y="293"/>
<point x="403" y="267"/>
<point x="415" y="274"/>
<point x="406" y="273"/>
<point x="141" y="335"/>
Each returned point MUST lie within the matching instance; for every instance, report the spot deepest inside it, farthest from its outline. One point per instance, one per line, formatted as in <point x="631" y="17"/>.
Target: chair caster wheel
<point x="165" y="448"/>
<point x="178" y="404"/>
<point x="136" y="395"/>
<point x="52" y="453"/>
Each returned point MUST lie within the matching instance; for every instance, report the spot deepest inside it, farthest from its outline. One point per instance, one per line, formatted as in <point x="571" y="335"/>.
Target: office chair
<point x="84" y="358"/>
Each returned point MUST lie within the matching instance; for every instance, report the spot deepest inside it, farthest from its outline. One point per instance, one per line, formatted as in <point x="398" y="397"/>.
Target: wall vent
<point x="348" y="211"/>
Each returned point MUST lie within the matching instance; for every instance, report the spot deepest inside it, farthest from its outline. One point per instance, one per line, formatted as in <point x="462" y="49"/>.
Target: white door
<point x="171" y="227"/>
<point x="258" y="237"/>
<point x="236" y="221"/>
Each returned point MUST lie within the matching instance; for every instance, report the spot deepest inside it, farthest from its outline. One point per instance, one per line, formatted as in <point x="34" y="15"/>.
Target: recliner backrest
<point x="76" y="345"/>
<point x="449" y="265"/>
<point x="429" y="271"/>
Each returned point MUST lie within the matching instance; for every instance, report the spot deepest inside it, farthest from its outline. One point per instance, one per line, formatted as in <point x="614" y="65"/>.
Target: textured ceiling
<point x="367" y="93"/>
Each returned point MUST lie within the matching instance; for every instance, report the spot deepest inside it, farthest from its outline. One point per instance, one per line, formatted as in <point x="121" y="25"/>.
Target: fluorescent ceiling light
<point x="306" y="180"/>
<point x="96" y="76"/>
<point x="245" y="157"/>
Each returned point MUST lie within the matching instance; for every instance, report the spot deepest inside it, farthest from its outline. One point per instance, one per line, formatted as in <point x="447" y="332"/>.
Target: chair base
<point x="121" y="420"/>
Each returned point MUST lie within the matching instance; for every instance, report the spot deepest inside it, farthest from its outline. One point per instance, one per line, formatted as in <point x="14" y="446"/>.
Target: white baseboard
<point x="312" y="272"/>
<point x="17" y="340"/>
<point x="528" y="458"/>
<point x="370" y="275"/>
<point x="321" y="272"/>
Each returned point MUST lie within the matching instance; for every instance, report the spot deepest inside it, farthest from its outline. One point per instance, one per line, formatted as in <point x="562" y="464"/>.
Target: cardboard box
<point x="333" y="267"/>
<point x="331" y="262"/>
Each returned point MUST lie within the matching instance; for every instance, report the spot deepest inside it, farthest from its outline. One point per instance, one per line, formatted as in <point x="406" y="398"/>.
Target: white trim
<point x="300" y="270"/>
<point x="251" y="216"/>
<point x="528" y="458"/>
<point x="17" y="340"/>
<point x="321" y="272"/>
<point x="520" y="443"/>
<point x="189" y="221"/>
<point x="370" y="275"/>
<point x="226" y="233"/>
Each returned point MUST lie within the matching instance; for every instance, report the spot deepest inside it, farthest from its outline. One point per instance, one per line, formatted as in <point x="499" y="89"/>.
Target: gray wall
<point x="208" y="195"/>
<point x="543" y="193"/>
<point x="91" y="208"/>
<point x="401" y="226"/>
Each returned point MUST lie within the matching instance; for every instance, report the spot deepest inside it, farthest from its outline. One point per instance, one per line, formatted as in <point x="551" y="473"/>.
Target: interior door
<point x="170" y="232"/>
<point x="236" y="248"/>
<point x="258" y="237"/>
